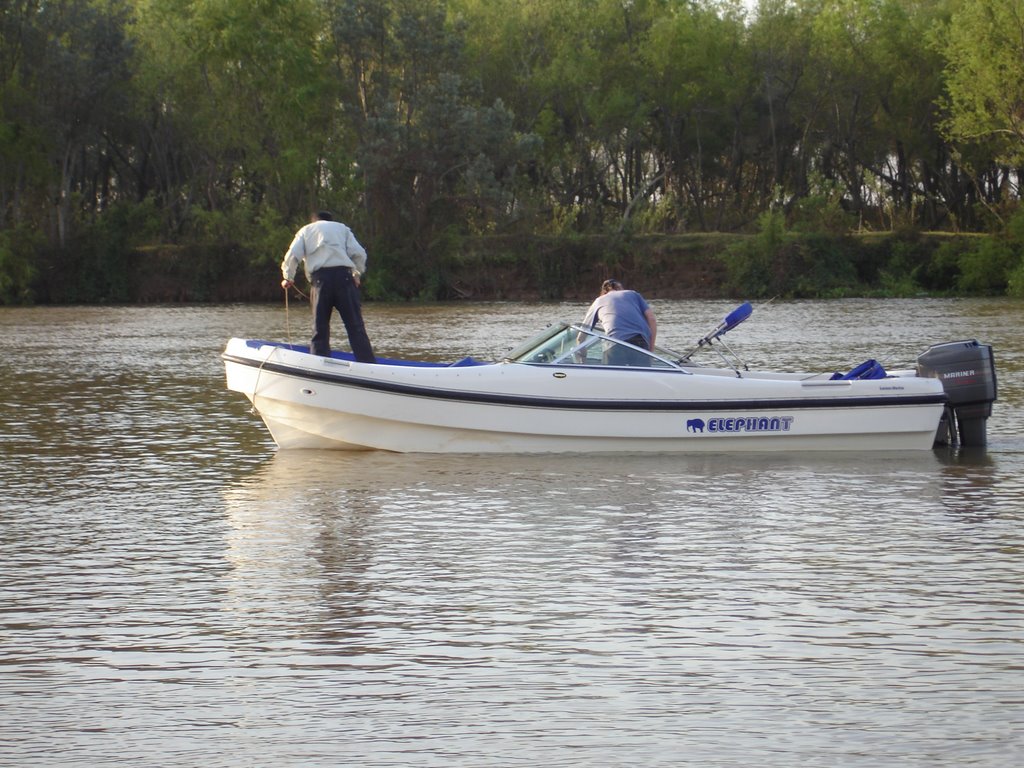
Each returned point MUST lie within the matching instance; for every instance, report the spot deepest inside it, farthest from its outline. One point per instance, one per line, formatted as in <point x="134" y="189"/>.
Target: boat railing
<point x="730" y="321"/>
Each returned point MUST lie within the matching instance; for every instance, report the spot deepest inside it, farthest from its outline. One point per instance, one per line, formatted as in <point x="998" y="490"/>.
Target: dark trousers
<point x="335" y="289"/>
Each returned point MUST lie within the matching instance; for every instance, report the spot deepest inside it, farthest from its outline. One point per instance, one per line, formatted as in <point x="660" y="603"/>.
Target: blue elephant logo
<point x="694" y="425"/>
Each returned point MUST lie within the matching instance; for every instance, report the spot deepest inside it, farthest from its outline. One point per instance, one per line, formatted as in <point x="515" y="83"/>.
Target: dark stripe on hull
<point x="938" y="398"/>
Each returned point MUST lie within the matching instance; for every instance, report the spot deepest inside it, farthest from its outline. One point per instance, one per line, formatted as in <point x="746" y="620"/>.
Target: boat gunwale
<point x="577" y="404"/>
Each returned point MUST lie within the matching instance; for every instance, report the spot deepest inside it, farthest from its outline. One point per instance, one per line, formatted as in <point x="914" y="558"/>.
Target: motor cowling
<point x="967" y="371"/>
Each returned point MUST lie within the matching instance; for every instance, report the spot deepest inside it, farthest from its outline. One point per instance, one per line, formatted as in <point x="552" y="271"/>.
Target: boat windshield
<point x="565" y="344"/>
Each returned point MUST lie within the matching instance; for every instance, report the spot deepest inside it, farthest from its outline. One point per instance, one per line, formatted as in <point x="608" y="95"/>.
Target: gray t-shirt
<point x="620" y="314"/>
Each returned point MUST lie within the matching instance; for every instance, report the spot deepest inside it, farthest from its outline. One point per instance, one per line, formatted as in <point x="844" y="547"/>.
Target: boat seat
<point x="869" y="369"/>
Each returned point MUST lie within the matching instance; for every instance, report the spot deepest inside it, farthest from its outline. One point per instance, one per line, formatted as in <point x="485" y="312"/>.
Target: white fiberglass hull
<point x="315" y="402"/>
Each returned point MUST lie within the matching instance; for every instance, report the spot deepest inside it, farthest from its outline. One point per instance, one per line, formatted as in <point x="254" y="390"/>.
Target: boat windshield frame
<point x="563" y="344"/>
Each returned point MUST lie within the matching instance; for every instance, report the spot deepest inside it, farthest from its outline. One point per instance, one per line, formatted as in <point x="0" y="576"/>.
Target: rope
<point x="256" y="385"/>
<point x="288" y="335"/>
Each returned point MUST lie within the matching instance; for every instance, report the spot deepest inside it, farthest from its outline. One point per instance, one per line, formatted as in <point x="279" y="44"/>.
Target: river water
<point x="177" y="593"/>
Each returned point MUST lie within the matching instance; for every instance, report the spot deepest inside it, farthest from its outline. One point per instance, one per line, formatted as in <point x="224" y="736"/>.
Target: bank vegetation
<point x="166" y="150"/>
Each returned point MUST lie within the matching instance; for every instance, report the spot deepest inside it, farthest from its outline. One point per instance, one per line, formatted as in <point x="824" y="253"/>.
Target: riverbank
<point x="537" y="268"/>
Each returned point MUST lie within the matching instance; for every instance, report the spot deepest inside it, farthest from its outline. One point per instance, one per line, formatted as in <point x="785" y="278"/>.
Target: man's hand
<point x="286" y="284"/>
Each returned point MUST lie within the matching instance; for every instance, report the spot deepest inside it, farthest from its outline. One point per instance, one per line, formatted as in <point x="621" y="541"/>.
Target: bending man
<point x="626" y="316"/>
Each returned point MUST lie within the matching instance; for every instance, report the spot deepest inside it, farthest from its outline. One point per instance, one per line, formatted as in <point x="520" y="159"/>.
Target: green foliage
<point x="267" y="237"/>
<point x="96" y="265"/>
<point x="820" y="210"/>
<point x="750" y="265"/>
<point x="984" y="50"/>
<point x="985" y="269"/>
<point x="993" y="266"/>
<point x="821" y="213"/>
<point x="18" y="250"/>
<point x="65" y="84"/>
<point x="899" y="275"/>
<point x="823" y="266"/>
<point x="426" y="121"/>
<point x="564" y="222"/>
<point x="1015" y="282"/>
<point x="818" y="264"/>
<point x="663" y="215"/>
<point x="942" y="272"/>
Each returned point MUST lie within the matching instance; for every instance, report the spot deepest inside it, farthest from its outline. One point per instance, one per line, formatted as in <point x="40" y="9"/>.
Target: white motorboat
<point x="562" y="392"/>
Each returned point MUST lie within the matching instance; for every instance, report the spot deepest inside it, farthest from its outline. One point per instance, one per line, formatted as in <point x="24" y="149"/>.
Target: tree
<point x="66" y="75"/>
<point x="984" y="51"/>
<point x="242" y="110"/>
<point x="701" y="87"/>
<point x="433" y="159"/>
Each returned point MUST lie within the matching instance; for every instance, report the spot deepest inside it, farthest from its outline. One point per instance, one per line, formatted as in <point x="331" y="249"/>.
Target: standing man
<point x="333" y="262"/>
<point x="626" y="316"/>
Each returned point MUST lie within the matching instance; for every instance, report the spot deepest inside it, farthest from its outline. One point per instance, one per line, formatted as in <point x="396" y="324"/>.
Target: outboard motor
<point x="968" y="374"/>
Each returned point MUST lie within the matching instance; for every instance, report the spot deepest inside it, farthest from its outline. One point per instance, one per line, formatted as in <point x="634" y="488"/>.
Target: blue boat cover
<point x="869" y="369"/>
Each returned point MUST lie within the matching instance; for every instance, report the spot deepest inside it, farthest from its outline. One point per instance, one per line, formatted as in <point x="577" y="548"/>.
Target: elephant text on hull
<point x="735" y="424"/>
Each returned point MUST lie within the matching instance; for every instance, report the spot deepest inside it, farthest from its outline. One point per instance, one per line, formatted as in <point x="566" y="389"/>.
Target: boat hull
<point x="312" y="402"/>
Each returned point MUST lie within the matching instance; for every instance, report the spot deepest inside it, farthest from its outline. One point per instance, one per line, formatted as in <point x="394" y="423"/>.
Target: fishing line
<point x="287" y="315"/>
<point x="287" y="319"/>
